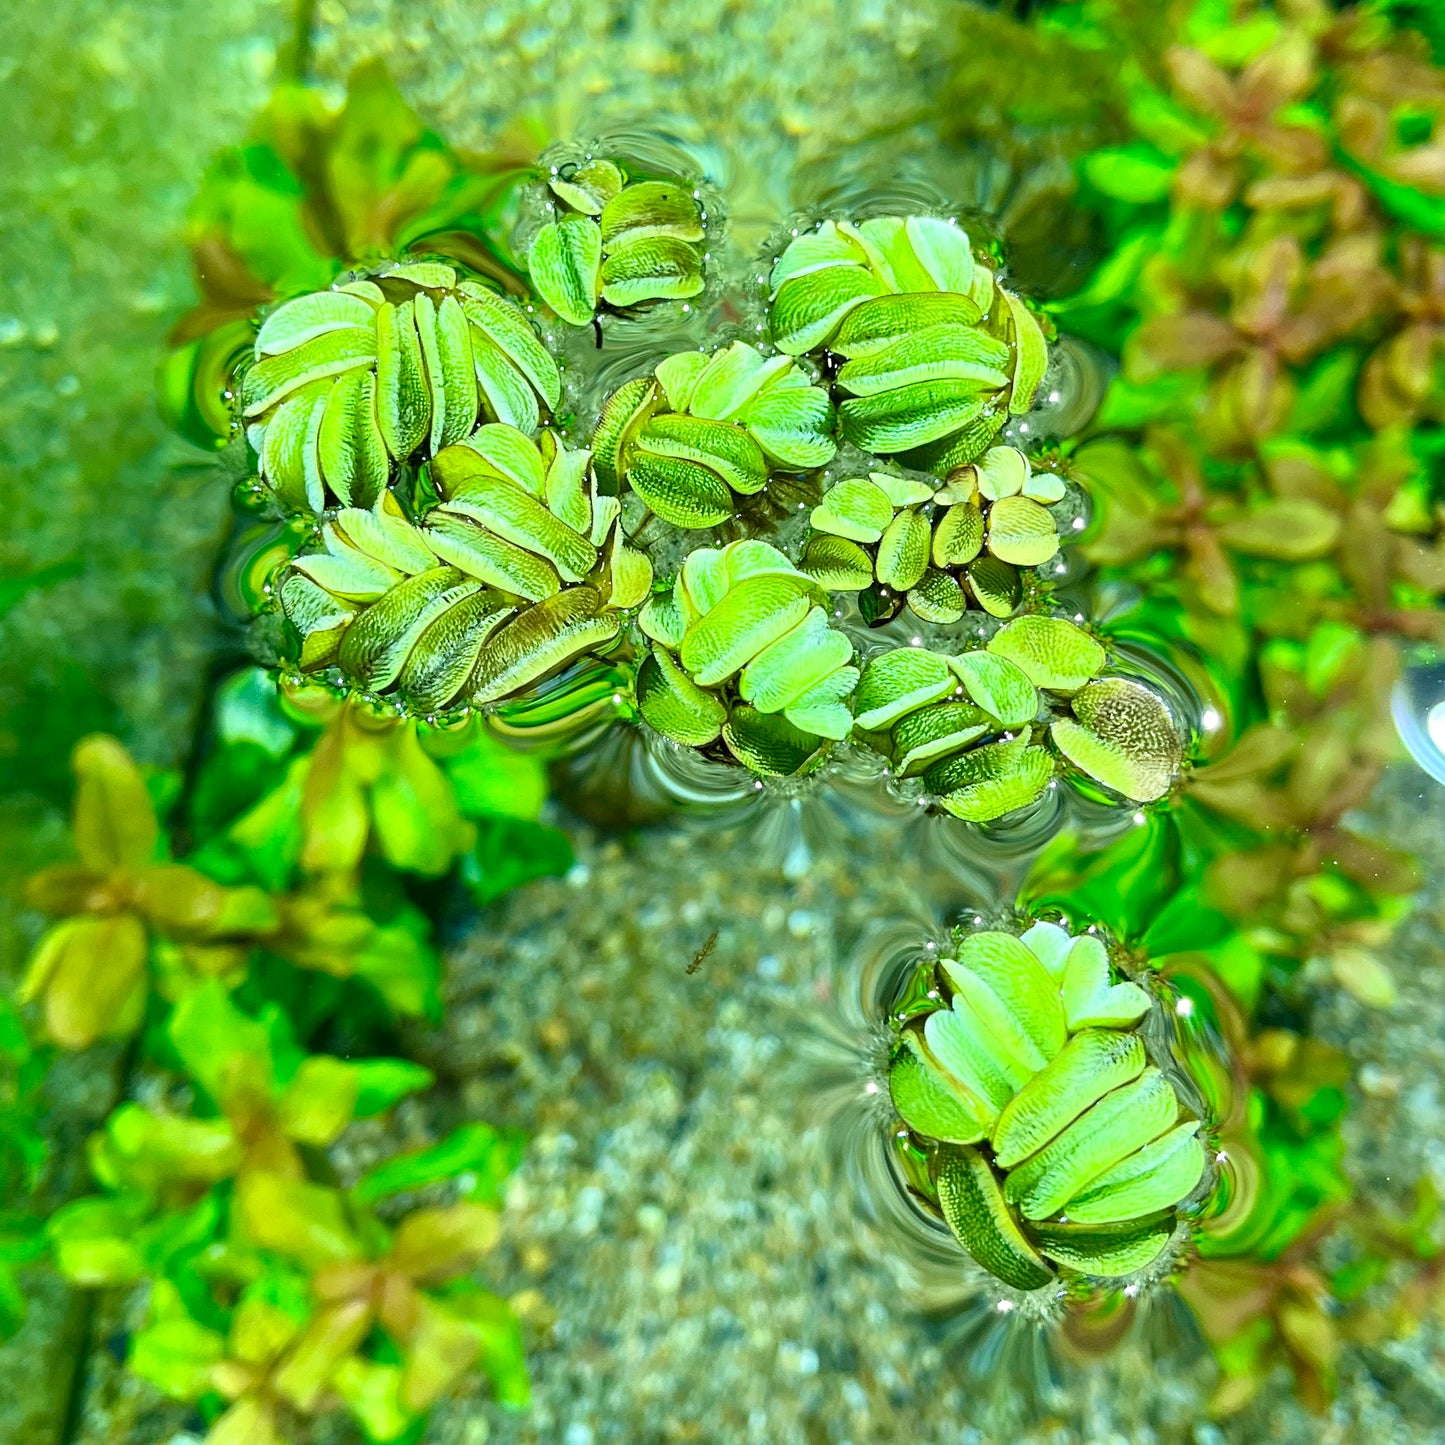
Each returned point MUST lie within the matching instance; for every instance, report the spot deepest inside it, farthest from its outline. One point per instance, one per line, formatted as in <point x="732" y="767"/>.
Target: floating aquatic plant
<point x="1048" y="1137"/>
<point x="620" y="241"/>
<point x="317" y="188"/>
<point x="707" y="429"/>
<point x="967" y="722"/>
<point x="744" y="650"/>
<point x="935" y="355"/>
<point x="383" y="370"/>
<point x="938" y="546"/>
<point x="504" y="581"/>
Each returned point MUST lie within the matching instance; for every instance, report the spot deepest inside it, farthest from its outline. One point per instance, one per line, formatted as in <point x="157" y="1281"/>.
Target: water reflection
<point x="1418" y="706"/>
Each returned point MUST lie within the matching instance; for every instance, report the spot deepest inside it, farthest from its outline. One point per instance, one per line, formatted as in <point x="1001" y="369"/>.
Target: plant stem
<point x="295" y="58"/>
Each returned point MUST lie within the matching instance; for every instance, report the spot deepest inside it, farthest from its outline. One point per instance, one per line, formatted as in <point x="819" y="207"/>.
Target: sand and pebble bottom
<point x="688" y="1249"/>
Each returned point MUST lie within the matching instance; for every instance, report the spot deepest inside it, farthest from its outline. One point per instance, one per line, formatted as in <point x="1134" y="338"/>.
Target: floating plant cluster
<point x="1038" y="1125"/>
<point x="483" y="547"/>
<point x="485" y="492"/>
<point x="620" y="240"/>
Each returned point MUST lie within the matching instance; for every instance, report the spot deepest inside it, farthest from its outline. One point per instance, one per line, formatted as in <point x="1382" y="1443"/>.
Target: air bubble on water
<point x="1418" y="706"/>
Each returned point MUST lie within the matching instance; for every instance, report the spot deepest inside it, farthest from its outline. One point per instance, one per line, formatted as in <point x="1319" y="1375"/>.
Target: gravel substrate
<point x="680" y="1231"/>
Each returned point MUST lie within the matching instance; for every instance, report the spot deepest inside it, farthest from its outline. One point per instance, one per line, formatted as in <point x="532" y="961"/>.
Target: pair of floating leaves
<point x="526" y="517"/>
<point x="1053" y="1137"/>
<point x="935" y="354"/>
<point x="617" y="242"/>
<point x="964" y="722"/>
<point x="497" y="589"/>
<point x="350" y="382"/>
<point x="823" y="276"/>
<point x="1119" y="732"/>
<point x="743" y="651"/>
<point x="709" y="428"/>
<point x="940" y="546"/>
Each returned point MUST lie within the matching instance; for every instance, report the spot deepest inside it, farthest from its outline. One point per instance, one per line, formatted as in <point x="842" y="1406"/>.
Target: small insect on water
<point x="701" y="955"/>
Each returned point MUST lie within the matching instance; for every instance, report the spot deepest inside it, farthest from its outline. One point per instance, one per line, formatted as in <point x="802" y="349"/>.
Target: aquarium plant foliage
<point x="836" y="540"/>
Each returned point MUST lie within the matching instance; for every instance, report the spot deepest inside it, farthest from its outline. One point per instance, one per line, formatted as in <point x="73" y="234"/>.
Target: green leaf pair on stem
<point x="620" y="241"/>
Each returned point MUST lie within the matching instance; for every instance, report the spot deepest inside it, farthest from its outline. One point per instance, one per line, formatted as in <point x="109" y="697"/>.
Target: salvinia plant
<point x="486" y="552"/>
<point x="1038" y="1124"/>
<point x="617" y="239"/>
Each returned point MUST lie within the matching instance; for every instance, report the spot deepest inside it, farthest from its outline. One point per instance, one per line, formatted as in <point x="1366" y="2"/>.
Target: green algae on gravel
<point x="110" y="532"/>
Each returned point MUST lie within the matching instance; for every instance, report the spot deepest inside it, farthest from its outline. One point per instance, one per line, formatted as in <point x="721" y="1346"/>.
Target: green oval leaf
<point x="1124" y="737"/>
<point x="974" y="1209"/>
<point x="564" y="264"/>
<point x="1054" y="654"/>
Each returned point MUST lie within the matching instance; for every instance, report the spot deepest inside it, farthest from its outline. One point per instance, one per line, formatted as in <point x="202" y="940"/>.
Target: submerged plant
<point x="1042" y="1129"/>
<point x="253" y="1333"/>
<point x="122" y="900"/>
<point x="621" y="240"/>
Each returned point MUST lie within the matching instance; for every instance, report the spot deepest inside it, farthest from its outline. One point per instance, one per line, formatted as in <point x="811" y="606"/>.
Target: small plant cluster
<point x="1097" y="1120"/>
<point x="1037" y="1123"/>
<point x="620" y="239"/>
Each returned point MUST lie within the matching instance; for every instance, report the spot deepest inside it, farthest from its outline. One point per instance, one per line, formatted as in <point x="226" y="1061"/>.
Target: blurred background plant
<point x="274" y="1286"/>
<point x="244" y="942"/>
<point x="1262" y="191"/>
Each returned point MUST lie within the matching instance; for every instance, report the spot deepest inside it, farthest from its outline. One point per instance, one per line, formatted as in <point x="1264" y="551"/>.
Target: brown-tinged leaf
<point x="330" y="1337"/>
<point x="438" y="1244"/>
<point x="115" y="824"/>
<point x="92" y="971"/>
<point x="442" y="1348"/>
<point x="301" y="1221"/>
